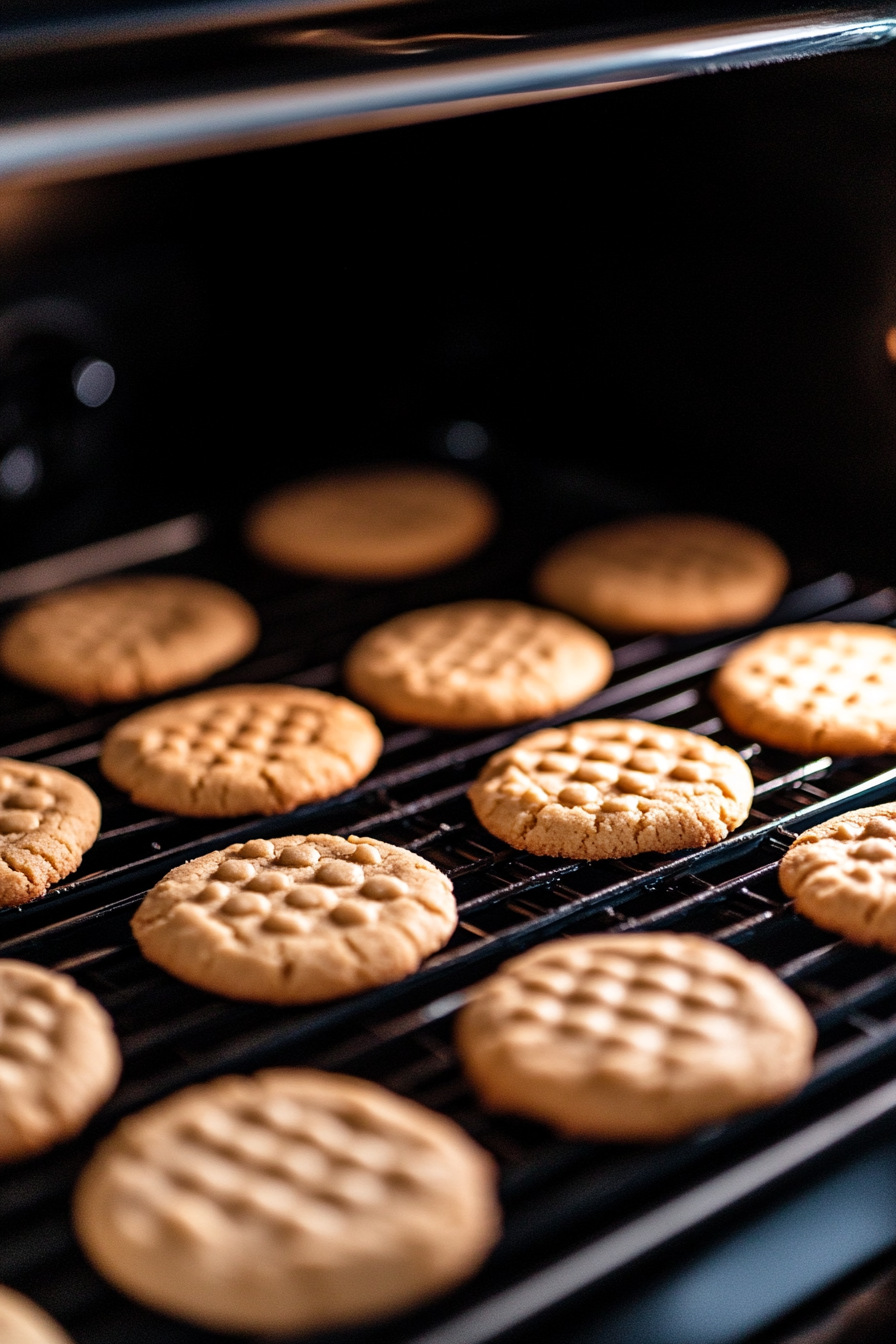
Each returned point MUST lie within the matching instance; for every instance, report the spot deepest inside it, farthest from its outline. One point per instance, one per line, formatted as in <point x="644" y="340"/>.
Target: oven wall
<point x="681" y="290"/>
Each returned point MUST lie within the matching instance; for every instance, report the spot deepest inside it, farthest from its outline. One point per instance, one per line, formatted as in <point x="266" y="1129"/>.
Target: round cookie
<point x="300" y="919"/>
<point x="241" y="749"/>
<point x="477" y="664"/>
<point x="378" y="523"/>
<point x="292" y="1200"/>
<point x="610" y="788"/>
<point x="634" y="1036"/>
<point x="48" y="818"/>
<point x="819" y="687"/>
<point x="842" y="875"/>
<point x="121" y="639"/>
<point x="59" y="1058"/>
<point x="22" y="1322"/>
<point x="675" y="573"/>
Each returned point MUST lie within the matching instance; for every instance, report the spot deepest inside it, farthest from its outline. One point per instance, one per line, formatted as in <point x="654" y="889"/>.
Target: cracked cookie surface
<point x="816" y="687"/>
<point x="241" y="749"/>
<point x="381" y="523"/>
<point x="676" y="573"/>
<point x="48" y="818"/>
<point x="121" y="639"/>
<point x="477" y="664"/>
<point x="59" y="1058"/>
<point x="610" y="788"/>
<point x="842" y="875"/>
<point x="300" y="919"/>
<point x="634" y="1036"/>
<point x="23" y="1322"/>
<point x="292" y="1200"/>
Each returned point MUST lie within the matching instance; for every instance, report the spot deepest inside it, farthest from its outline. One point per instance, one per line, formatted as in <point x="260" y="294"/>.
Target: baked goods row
<point x="299" y="1200"/>
<point x="592" y="789"/>
<point x="119" y="640"/>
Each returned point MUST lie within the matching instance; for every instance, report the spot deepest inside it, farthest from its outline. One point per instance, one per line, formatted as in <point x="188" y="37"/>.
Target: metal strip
<point x="80" y="144"/>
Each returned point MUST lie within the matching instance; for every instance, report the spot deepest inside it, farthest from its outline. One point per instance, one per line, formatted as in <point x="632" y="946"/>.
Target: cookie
<point x="241" y="749"/>
<point x="122" y="639"/>
<point x="297" y="920"/>
<point x="376" y="523"/>
<point x="814" y="688"/>
<point x="634" y="1036"/>
<point x="477" y="664"/>
<point x="48" y="818"/>
<point x="610" y="788"/>
<point x="842" y="875"/>
<point x="21" y="1322"/>
<point x="59" y="1058"/>
<point x="292" y="1200"/>
<point x="674" y="573"/>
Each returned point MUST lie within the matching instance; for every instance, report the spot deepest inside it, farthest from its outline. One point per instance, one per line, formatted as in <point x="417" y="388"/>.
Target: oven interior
<point x="677" y="296"/>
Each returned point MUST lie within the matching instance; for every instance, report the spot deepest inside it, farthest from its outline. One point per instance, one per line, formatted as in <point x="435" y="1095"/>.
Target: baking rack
<point x="576" y="1213"/>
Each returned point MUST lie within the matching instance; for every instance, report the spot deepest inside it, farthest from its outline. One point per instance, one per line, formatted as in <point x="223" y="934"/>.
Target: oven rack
<point x="564" y="1201"/>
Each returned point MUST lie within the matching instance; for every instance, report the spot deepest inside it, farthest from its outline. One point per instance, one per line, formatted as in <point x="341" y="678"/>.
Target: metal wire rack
<point x="574" y="1212"/>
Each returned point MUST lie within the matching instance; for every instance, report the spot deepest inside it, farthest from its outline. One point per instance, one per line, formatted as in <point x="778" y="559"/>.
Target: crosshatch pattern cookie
<point x="477" y="664"/>
<point x="842" y="875"/>
<point x="609" y="788"/>
<point x="297" y="920"/>
<point x="59" y="1058"/>
<point x="48" y="818"/>
<point x="382" y="523"/>
<point x="121" y="639"/>
<point x="818" y="687"/>
<point x="673" y="573"/>
<point x="241" y="749"/>
<point x="634" y="1036"/>
<point x="294" y="1200"/>
<point x="22" y="1322"/>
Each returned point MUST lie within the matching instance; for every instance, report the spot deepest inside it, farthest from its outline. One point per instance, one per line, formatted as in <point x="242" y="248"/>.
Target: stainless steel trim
<point x="113" y="138"/>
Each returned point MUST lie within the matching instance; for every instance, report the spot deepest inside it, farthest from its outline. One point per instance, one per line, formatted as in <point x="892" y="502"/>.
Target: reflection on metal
<point x="84" y="143"/>
<point x="103" y="557"/>
<point x="344" y="39"/>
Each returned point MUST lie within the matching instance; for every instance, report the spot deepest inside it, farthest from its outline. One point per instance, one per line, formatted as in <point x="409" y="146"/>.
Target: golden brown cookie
<point x="818" y="687"/>
<point x="121" y="639"/>
<point x="48" y="818"/>
<point x="293" y="1200"/>
<point x="634" y="1036"/>
<point x="59" y="1058"/>
<point x="477" y="664"/>
<point x="842" y="875"/>
<point x="610" y="788"/>
<point x="676" y="573"/>
<point x="241" y="749"/>
<point x="375" y="523"/>
<point x="300" y="919"/>
<point x="22" y="1322"/>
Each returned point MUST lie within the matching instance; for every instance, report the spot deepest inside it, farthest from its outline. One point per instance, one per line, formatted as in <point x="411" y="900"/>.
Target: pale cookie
<point x="376" y="523"/>
<point x="610" y="788"/>
<point x="297" y="920"/>
<point x="241" y="749"/>
<point x="634" y="1036"/>
<point x="477" y="664"/>
<point x="842" y="875"/>
<point x="293" y="1200"/>
<point x="676" y="573"/>
<point x="122" y="639"/>
<point x="48" y="818"/>
<point x="22" y="1322"/>
<point x="814" y="688"/>
<point x="59" y="1058"/>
